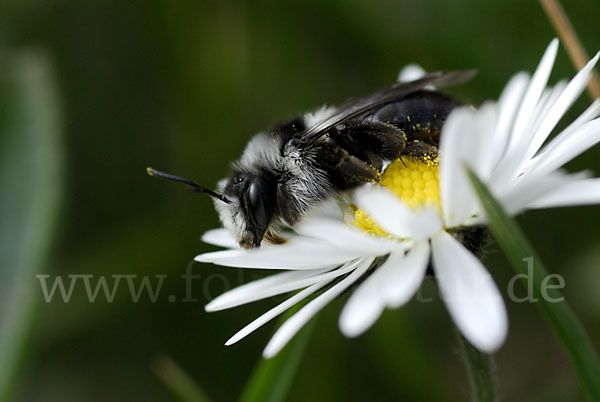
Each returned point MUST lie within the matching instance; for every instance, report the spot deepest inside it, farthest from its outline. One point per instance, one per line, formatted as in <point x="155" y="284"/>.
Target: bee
<point x="298" y="163"/>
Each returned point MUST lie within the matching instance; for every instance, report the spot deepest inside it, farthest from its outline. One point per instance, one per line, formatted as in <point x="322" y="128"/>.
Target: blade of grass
<point x="272" y="378"/>
<point x="178" y="381"/>
<point x="558" y="315"/>
<point x="30" y="179"/>
<point x="557" y="16"/>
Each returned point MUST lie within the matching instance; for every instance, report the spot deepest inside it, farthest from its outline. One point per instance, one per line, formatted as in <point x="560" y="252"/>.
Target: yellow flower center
<point x="415" y="181"/>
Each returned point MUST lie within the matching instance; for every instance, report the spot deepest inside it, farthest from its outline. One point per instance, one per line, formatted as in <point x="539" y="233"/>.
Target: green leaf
<point x="558" y="314"/>
<point x="30" y="179"/>
<point x="272" y="378"/>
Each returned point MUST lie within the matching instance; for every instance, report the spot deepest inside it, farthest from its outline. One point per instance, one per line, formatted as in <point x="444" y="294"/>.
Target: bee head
<point x="245" y="202"/>
<point x="250" y="212"/>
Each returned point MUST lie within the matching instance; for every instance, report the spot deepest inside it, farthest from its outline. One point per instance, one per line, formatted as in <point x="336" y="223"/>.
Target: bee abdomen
<point x="420" y="115"/>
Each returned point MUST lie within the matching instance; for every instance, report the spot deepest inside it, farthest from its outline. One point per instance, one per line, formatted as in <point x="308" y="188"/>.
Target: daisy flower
<point x="424" y="214"/>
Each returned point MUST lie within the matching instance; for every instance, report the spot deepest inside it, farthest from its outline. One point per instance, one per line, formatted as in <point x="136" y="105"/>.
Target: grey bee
<point x="287" y="170"/>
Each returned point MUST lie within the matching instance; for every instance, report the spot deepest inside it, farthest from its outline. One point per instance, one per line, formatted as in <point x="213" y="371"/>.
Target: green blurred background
<point x="93" y="92"/>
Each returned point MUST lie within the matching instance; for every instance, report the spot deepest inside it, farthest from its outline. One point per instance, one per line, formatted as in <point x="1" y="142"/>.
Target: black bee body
<point x="287" y="170"/>
<point x="420" y="115"/>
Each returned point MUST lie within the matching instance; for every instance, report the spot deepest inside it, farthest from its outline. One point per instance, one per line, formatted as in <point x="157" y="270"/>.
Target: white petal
<point x="464" y="142"/>
<point x="576" y="143"/>
<point x="582" y="192"/>
<point x="343" y="235"/>
<point x="547" y="100"/>
<point x="455" y="191"/>
<point x="366" y="303"/>
<point x="329" y="208"/>
<point x="507" y="107"/>
<point x="562" y="104"/>
<point x="220" y="237"/>
<point x="540" y="114"/>
<point x="426" y="222"/>
<point x="411" y="72"/>
<point x="298" y="253"/>
<point x="529" y="188"/>
<point x="385" y="208"/>
<point x="480" y="160"/>
<point x="525" y="116"/>
<point x="395" y="217"/>
<point x="470" y="294"/>
<point x="274" y="312"/>
<point x="393" y="284"/>
<point x="407" y="275"/>
<point x="298" y="320"/>
<point x="228" y="300"/>
<point x="521" y="134"/>
<point x="589" y="114"/>
<point x="246" y="293"/>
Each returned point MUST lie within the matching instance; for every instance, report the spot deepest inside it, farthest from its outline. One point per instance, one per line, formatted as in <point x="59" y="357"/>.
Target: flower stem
<point x="481" y="370"/>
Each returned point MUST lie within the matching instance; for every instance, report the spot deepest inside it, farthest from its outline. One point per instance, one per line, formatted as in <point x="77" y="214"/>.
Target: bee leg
<point x="354" y="171"/>
<point x="386" y="140"/>
<point x="345" y="169"/>
<point x="370" y="140"/>
<point x="420" y="150"/>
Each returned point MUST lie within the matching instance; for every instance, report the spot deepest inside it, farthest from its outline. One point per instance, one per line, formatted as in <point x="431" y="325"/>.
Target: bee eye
<point x="257" y="205"/>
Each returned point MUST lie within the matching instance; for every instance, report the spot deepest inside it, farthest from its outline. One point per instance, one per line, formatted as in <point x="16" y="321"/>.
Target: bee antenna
<point x="194" y="186"/>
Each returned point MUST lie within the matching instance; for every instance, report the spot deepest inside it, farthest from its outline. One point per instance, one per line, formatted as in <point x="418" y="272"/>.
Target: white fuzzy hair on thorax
<point x="303" y="182"/>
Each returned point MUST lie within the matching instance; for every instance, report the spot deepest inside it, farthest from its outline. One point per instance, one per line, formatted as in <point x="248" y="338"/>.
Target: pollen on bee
<point x="415" y="181"/>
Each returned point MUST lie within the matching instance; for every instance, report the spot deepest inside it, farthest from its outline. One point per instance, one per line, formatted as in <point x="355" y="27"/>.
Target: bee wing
<point x="357" y="107"/>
